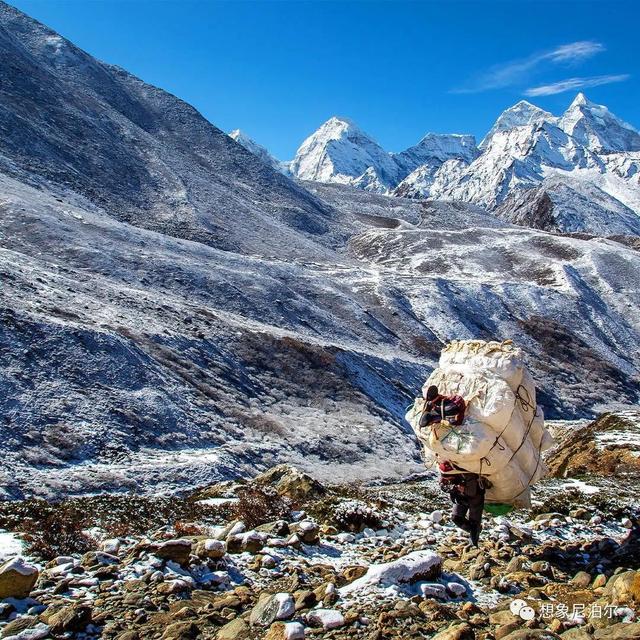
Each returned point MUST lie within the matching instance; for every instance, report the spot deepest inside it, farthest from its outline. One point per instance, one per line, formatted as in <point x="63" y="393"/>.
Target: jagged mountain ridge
<point x="137" y="350"/>
<point x="526" y="149"/>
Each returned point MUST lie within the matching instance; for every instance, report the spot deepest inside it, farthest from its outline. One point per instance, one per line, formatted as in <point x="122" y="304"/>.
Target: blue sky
<point x="279" y="69"/>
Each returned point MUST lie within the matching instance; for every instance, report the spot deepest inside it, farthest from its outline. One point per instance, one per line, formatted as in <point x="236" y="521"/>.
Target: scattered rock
<point x="325" y="618"/>
<point x="624" y="588"/>
<point x="292" y="483"/>
<point x="181" y="631"/>
<point x="272" y="607"/>
<point x="285" y="631"/>
<point x="17" y="578"/>
<point x="237" y="629"/>
<point x="210" y="549"/>
<point x="582" y="579"/>
<point x="177" y="550"/>
<point x="532" y="634"/>
<point x="74" y="617"/>
<point x="461" y="631"/>
<point x="619" y="631"/>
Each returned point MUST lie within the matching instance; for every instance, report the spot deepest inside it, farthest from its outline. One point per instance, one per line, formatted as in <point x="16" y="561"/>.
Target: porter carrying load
<point x="479" y="414"/>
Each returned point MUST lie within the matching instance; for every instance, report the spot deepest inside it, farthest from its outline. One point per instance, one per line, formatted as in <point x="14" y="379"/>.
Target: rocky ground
<point x="283" y="556"/>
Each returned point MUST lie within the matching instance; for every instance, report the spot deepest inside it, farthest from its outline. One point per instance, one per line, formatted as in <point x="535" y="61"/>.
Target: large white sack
<point x="472" y="442"/>
<point x="503" y="434"/>
<point x="503" y="359"/>
<point x="488" y="397"/>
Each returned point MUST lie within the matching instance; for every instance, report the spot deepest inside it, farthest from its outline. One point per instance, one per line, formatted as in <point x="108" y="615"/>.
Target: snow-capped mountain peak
<point x="595" y="127"/>
<point x="520" y="114"/>
<point x="339" y="151"/>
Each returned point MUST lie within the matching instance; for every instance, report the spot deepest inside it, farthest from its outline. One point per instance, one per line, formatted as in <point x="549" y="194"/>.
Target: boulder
<point x="181" y="631"/>
<point x="17" y="578"/>
<point x="71" y="618"/>
<point x="582" y="579"/>
<point x="619" y="631"/>
<point x="292" y="483"/>
<point x="308" y="531"/>
<point x="277" y="528"/>
<point x="416" y="566"/>
<point x="574" y="634"/>
<point x="325" y="618"/>
<point x="285" y="631"/>
<point x="177" y="550"/>
<point x="210" y="549"/>
<point x="504" y="630"/>
<point x="19" y="625"/>
<point x="237" y="629"/>
<point x="353" y="572"/>
<point x="623" y="588"/>
<point x="272" y="607"/>
<point x="461" y="631"/>
<point x="532" y="634"/>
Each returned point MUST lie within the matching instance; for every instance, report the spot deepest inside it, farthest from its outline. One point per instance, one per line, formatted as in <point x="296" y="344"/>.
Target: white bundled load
<point x="502" y="436"/>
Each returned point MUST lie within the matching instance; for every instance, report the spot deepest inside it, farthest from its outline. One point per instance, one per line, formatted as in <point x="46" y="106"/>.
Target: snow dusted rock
<point x="433" y="590"/>
<point x="456" y="589"/>
<point x="291" y="482"/>
<point x="73" y="617"/>
<point x="271" y="607"/>
<point x="111" y="546"/>
<point x="325" y="618"/>
<point x="307" y="531"/>
<point x="177" y="550"/>
<point x="210" y="549"/>
<point x="17" y="578"/>
<point x="285" y="631"/>
<point x="414" y="567"/>
<point x="436" y="516"/>
<point x="26" y="628"/>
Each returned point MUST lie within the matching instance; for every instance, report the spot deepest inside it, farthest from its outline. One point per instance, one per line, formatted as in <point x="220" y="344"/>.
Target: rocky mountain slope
<point x="175" y="311"/>
<point x="584" y="165"/>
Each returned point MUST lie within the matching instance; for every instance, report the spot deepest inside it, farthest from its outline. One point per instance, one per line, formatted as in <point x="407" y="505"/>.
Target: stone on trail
<point x="285" y="631"/>
<point x="71" y="618"/>
<point x="292" y="483"/>
<point x="325" y="618"/>
<point x="582" y="579"/>
<point x="433" y="590"/>
<point x="624" y="588"/>
<point x="414" y="567"/>
<point x="272" y="607"/>
<point x="532" y="634"/>
<point x="461" y="631"/>
<point x="17" y="578"/>
<point x="181" y="631"/>
<point x="177" y="550"/>
<point x="619" y="631"/>
<point x="237" y="629"/>
<point x="210" y="549"/>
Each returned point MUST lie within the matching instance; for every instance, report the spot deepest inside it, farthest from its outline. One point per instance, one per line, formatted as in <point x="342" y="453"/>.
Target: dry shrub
<point x="188" y="529"/>
<point x="53" y="529"/>
<point x="259" y="505"/>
